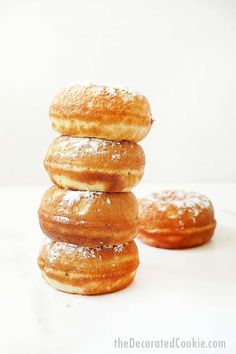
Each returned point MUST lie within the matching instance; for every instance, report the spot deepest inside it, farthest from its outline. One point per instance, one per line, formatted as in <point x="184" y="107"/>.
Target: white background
<point x="181" y="54"/>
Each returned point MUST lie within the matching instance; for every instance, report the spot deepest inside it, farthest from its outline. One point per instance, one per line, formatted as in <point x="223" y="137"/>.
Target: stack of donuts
<point x="90" y="215"/>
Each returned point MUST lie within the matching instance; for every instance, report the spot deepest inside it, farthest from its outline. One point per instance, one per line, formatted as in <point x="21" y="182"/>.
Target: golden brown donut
<point x="94" y="164"/>
<point x="88" y="219"/>
<point x="102" y="112"/>
<point x="176" y="219"/>
<point x="88" y="271"/>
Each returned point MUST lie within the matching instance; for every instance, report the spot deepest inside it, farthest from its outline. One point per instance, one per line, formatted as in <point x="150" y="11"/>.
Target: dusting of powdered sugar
<point x="108" y="201"/>
<point x="180" y="199"/>
<point x="129" y="90"/>
<point x="116" y="157"/>
<point x="65" y="220"/>
<point x="77" y="96"/>
<point x="175" y="203"/>
<point x="71" y="198"/>
<point x="104" y="87"/>
<point x="111" y="91"/>
<point x="54" y="250"/>
<point x="62" y="219"/>
<point x="73" y="147"/>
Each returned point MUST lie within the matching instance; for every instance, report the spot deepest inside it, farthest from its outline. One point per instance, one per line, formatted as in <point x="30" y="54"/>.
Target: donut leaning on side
<point x="112" y="113"/>
<point x="175" y="219"/>
<point x="94" y="164"/>
<point x="88" y="271"/>
<point x="88" y="219"/>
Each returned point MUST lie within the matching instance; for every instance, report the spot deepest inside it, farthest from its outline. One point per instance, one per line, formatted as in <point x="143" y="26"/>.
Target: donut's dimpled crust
<point x="88" y="271"/>
<point x="176" y="219"/>
<point x="101" y="112"/>
<point x="94" y="164"/>
<point x="88" y="219"/>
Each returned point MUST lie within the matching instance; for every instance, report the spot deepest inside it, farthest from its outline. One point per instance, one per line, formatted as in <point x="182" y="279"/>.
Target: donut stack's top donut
<point x="112" y="113"/>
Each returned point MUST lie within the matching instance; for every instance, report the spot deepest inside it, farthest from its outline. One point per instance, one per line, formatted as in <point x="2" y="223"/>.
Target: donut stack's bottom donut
<point x="88" y="271"/>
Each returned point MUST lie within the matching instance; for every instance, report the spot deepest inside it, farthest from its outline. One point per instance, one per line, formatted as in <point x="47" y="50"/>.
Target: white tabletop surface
<point x="185" y="294"/>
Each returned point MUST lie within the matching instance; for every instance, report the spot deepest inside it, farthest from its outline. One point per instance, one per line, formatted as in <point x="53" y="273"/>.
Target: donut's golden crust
<point x="88" y="271"/>
<point x="94" y="164"/>
<point x="101" y="112"/>
<point x="88" y="218"/>
<point x="176" y="219"/>
<point x="93" y="288"/>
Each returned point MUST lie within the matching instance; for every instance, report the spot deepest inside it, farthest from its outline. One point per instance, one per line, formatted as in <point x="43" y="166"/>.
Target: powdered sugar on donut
<point x="175" y="203"/>
<point x="62" y="219"/>
<point x="180" y="199"/>
<point x="108" y="201"/>
<point x="116" y="156"/>
<point x="68" y="147"/>
<point x="66" y="220"/>
<point x="55" y="249"/>
<point x="112" y="90"/>
<point x="70" y="198"/>
<point x="74" y="147"/>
